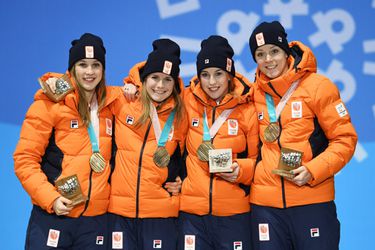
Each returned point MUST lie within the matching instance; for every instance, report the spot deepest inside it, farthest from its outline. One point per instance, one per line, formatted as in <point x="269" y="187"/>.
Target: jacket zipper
<point x="139" y="171"/>
<point x="211" y="175"/>
<point x="278" y="142"/>
<point x="88" y="194"/>
<point x="282" y="178"/>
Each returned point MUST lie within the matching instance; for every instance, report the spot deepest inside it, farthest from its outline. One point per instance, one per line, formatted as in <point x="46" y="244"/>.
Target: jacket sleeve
<point x="34" y="138"/>
<point x="247" y="165"/>
<point x="119" y="102"/>
<point x="335" y="121"/>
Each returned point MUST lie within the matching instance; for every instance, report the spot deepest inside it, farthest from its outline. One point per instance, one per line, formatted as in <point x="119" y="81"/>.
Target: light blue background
<point x="35" y="37"/>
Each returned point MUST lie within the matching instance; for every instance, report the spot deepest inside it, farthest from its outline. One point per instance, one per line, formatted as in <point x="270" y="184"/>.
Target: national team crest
<point x="189" y="242"/>
<point x="53" y="238"/>
<point x="264" y="233"/>
<point x="297" y="109"/>
<point x="117" y="240"/>
<point x="232" y="127"/>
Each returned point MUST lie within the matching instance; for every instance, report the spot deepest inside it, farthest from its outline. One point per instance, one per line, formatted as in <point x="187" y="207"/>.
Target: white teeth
<point x="271" y="67"/>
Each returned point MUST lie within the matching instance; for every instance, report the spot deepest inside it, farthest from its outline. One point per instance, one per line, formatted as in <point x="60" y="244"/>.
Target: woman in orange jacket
<point x="62" y="157"/>
<point x="307" y="137"/>
<point x="214" y="207"/>
<point x="149" y="139"/>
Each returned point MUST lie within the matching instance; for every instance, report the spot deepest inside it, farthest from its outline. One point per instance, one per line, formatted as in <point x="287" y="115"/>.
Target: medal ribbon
<point x="275" y="114"/>
<point x="93" y="139"/>
<point x="208" y="134"/>
<point x="93" y="128"/>
<point x="161" y="136"/>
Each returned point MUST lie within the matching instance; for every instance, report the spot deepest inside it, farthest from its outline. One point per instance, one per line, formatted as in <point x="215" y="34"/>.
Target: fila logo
<point x="129" y="119"/>
<point x="73" y="123"/>
<point x="237" y="245"/>
<point x="99" y="240"/>
<point x="157" y="244"/>
<point x="195" y="122"/>
<point x="206" y="61"/>
<point x="260" y="116"/>
<point x="314" y="232"/>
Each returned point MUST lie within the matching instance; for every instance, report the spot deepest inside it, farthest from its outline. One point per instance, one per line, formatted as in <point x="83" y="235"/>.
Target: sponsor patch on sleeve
<point x="341" y="110"/>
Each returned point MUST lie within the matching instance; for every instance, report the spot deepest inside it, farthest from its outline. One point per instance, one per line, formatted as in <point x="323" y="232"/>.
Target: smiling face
<point x="214" y="82"/>
<point x="159" y="86"/>
<point x="88" y="73"/>
<point x="272" y="60"/>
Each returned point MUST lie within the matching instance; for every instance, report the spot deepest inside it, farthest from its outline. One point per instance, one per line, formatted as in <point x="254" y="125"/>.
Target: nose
<point x="212" y="80"/>
<point x="159" y="83"/>
<point x="268" y="57"/>
<point x="89" y="70"/>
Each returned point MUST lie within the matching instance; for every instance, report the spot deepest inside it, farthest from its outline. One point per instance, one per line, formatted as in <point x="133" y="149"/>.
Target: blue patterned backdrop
<point x="35" y="38"/>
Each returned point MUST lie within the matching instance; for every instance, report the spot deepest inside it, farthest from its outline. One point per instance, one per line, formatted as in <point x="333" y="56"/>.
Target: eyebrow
<point x="273" y="46"/>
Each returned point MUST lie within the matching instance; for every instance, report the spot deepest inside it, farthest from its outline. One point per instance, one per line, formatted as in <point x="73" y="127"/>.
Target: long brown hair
<point x="147" y="101"/>
<point x="83" y="105"/>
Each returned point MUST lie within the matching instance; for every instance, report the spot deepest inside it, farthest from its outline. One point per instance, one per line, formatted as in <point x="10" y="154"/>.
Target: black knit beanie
<point x="87" y="46"/>
<point x="164" y="58"/>
<point x="269" y="33"/>
<point x="216" y="52"/>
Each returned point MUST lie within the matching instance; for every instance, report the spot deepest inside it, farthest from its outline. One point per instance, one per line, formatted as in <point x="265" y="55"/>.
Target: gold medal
<point x="272" y="132"/>
<point x="161" y="157"/>
<point x="97" y="162"/>
<point x="203" y="149"/>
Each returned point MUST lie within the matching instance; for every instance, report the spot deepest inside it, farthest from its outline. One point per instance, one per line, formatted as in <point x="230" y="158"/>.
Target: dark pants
<point x="309" y="227"/>
<point x="49" y="231"/>
<point x="143" y="234"/>
<point x="210" y="232"/>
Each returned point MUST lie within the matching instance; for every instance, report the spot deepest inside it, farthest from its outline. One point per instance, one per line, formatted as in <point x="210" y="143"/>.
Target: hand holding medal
<point x="56" y="88"/>
<point x="289" y="160"/>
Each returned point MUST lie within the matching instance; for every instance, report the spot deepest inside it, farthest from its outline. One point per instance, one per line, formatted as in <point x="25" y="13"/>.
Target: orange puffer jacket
<point x="204" y="193"/>
<point x="137" y="183"/>
<point x="314" y="121"/>
<point x="54" y="144"/>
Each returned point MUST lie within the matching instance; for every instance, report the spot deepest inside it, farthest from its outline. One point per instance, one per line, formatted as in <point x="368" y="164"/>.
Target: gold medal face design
<point x="203" y="150"/>
<point x="97" y="162"/>
<point x="272" y="132"/>
<point x="161" y="157"/>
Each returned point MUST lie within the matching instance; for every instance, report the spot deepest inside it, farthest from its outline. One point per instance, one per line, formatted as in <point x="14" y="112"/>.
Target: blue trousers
<point x="309" y="227"/>
<point x="210" y="232"/>
<point x="143" y="233"/>
<point x="49" y="231"/>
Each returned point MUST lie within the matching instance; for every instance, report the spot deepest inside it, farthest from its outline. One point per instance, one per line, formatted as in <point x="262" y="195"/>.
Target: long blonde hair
<point x="147" y="101"/>
<point x="83" y="105"/>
